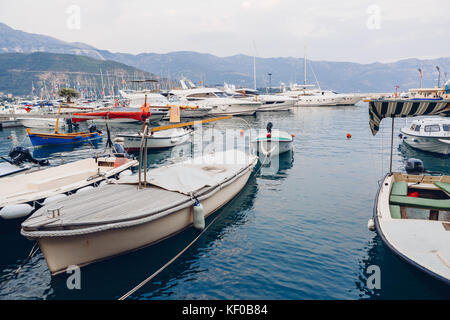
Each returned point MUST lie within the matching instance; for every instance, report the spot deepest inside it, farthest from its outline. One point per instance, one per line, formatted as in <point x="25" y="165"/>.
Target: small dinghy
<point x="273" y="142"/>
<point x="411" y="212"/>
<point x="23" y="193"/>
<point x="134" y="213"/>
<point x="157" y="140"/>
<point x="20" y="160"/>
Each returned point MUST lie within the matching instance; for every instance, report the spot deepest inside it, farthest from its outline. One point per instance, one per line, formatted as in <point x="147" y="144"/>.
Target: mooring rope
<point x="140" y="285"/>
<point x="12" y="274"/>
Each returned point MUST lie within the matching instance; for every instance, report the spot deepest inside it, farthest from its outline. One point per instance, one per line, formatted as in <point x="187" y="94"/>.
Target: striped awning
<point x="381" y="109"/>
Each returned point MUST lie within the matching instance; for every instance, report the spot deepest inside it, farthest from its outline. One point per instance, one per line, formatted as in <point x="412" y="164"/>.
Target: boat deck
<point x="103" y="205"/>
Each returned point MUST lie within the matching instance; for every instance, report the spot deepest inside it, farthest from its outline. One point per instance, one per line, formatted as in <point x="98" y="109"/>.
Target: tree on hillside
<point x="68" y="93"/>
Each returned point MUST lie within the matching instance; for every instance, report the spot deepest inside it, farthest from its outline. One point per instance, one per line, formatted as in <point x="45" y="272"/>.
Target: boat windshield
<point x="432" y="128"/>
<point x="221" y="94"/>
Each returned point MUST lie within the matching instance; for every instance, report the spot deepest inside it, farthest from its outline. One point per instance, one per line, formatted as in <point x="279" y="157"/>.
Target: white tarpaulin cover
<point x="192" y="175"/>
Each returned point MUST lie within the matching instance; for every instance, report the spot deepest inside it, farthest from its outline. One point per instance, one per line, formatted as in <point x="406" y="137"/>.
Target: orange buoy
<point x="242" y="132"/>
<point x="349" y="135"/>
<point x="9" y="137"/>
<point x="292" y="135"/>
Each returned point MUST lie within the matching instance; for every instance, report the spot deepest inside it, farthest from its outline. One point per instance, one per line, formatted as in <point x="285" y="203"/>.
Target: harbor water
<point x="298" y="233"/>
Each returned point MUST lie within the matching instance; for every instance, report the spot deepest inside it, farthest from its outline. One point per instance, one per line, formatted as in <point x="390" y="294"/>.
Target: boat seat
<point x="443" y="186"/>
<point x="399" y="189"/>
<point x="420" y="202"/>
<point x="395" y="211"/>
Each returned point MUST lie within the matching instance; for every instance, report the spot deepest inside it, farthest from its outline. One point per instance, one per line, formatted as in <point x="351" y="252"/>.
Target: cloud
<point x="332" y="30"/>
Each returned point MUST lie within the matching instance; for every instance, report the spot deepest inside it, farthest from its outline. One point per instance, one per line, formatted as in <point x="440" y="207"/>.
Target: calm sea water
<point x="300" y="233"/>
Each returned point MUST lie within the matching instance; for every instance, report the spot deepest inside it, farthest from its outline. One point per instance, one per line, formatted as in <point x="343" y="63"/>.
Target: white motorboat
<point x="411" y="212"/>
<point x="269" y="102"/>
<point x="118" y="218"/>
<point x="430" y="134"/>
<point x="219" y="102"/>
<point x="158" y="140"/>
<point x="273" y="142"/>
<point x="41" y="123"/>
<point x="159" y="103"/>
<point x="23" y="193"/>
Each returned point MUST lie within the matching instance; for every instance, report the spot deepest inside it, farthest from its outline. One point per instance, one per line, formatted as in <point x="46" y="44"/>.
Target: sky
<point x="362" y="31"/>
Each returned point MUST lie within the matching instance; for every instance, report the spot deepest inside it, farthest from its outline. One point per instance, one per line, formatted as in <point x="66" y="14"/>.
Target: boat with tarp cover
<point x="412" y="211"/>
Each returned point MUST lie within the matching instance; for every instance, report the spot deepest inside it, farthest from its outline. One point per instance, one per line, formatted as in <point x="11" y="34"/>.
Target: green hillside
<point x="19" y="73"/>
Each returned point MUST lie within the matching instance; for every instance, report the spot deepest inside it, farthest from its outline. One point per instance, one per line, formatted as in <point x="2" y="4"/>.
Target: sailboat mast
<point x="254" y="72"/>
<point x="304" y="67"/>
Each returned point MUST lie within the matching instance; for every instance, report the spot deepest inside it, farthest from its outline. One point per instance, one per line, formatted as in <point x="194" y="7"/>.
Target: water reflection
<point x="109" y="279"/>
<point x="399" y="280"/>
<point x="276" y="168"/>
<point x="431" y="162"/>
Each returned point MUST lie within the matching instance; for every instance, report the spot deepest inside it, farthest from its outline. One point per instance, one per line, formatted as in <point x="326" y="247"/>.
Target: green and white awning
<point x="381" y="109"/>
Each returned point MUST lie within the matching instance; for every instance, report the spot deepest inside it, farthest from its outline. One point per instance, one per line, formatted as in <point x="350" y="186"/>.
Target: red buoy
<point x="349" y="135"/>
<point x="268" y="135"/>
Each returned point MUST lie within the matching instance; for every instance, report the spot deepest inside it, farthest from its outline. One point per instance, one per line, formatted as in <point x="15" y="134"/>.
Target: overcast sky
<point x="333" y="30"/>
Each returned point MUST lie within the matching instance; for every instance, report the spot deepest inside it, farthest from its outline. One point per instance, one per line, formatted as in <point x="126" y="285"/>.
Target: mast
<point x="304" y="67"/>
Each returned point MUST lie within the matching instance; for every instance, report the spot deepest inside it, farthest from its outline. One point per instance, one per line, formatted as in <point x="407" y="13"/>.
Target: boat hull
<point x="41" y="123"/>
<point x="38" y="139"/>
<point x="429" y="144"/>
<point x="132" y="142"/>
<point x="431" y="259"/>
<point x="81" y="250"/>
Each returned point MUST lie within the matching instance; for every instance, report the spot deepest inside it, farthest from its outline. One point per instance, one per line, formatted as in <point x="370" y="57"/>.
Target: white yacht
<point x="309" y="95"/>
<point x="269" y="102"/>
<point x="220" y="102"/>
<point x="155" y="100"/>
<point x="431" y="134"/>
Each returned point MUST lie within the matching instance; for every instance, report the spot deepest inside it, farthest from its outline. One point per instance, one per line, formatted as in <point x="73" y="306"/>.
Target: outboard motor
<point x="20" y="155"/>
<point x="414" y="166"/>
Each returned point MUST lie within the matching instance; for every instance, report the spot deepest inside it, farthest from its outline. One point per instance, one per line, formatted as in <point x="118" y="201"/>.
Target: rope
<point x="13" y="274"/>
<point x="140" y="285"/>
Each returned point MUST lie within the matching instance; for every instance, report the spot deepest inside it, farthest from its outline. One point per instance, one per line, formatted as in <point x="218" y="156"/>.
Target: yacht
<point x="269" y="102"/>
<point x="218" y="100"/>
<point x="431" y="134"/>
<point x="160" y="102"/>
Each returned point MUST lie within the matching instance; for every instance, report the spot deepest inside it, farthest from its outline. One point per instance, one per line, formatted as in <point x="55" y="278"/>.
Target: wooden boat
<point x="115" y="219"/>
<point x="22" y="194"/>
<point x="43" y="139"/>
<point x="273" y="142"/>
<point x="411" y="212"/>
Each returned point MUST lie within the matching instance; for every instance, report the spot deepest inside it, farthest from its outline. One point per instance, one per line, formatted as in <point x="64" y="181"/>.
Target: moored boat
<point x="158" y="140"/>
<point x="273" y="142"/>
<point x="22" y="194"/>
<point x="431" y="135"/>
<point x="44" y="139"/>
<point x="101" y="224"/>
<point x="411" y="211"/>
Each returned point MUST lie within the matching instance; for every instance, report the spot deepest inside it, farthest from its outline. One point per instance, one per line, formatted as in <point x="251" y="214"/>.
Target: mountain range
<point x="238" y="69"/>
